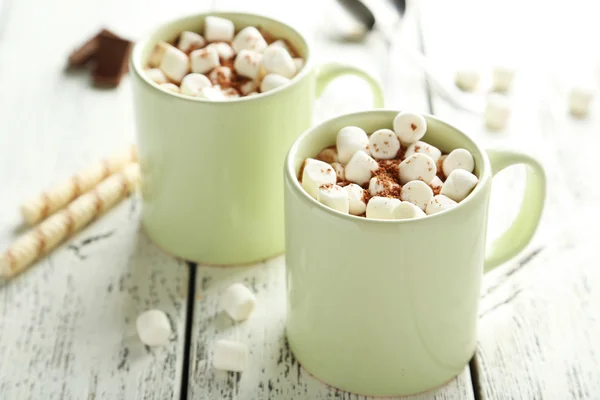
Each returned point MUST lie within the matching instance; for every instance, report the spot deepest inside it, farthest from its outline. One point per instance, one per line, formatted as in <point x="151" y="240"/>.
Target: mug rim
<point x="290" y="173"/>
<point x="135" y="64"/>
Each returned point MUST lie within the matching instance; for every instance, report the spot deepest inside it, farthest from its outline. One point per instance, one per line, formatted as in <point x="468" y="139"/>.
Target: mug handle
<point x="326" y="73"/>
<point x="518" y="235"/>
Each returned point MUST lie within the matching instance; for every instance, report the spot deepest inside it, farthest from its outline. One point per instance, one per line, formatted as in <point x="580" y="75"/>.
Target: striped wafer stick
<point x="52" y="200"/>
<point x="60" y="226"/>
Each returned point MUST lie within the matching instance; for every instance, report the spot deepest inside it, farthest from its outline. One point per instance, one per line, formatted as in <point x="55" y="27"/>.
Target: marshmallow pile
<point x="390" y="174"/>
<point x="223" y="64"/>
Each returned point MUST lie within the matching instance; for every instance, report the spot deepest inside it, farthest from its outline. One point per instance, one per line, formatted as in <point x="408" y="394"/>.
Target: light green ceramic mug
<point x="390" y="307"/>
<point x="211" y="171"/>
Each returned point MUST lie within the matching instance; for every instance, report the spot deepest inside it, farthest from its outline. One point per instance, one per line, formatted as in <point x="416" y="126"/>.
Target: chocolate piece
<point x="112" y="58"/>
<point x="86" y="52"/>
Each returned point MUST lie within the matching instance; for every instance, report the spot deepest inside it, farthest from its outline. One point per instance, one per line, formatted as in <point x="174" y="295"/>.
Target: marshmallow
<point x="439" y="203"/>
<point x="356" y="199"/>
<point x="153" y="328"/>
<point x="175" y="64"/>
<point x="409" y="127"/>
<point x="458" y="158"/>
<point x="230" y="356"/>
<point x="349" y="140"/>
<point x="424" y="148"/>
<point x="459" y="184"/>
<point x="238" y="302"/>
<point x="406" y="210"/>
<point x="436" y="183"/>
<point x="278" y="61"/>
<point x="580" y="98"/>
<point x="281" y="43"/>
<point x="252" y="94"/>
<point x="203" y="60"/>
<point x="249" y="38"/>
<point x="360" y="168"/>
<point x="497" y="111"/>
<point x="328" y="155"/>
<point x="417" y="193"/>
<point x="248" y="87"/>
<point x="502" y="78"/>
<point x="217" y="29"/>
<point x="225" y="51"/>
<point x="189" y="41"/>
<point x="247" y="64"/>
<point x="231" y="93"/>
<point x="334" y="197"/>
<point x="193" y="83"/>
<point x="156" y="75"/>
<point x="158" y="54"/>
<point x="273" y="81"/>
<point x="416" y="167"/>
<point x="211" y="93"/>
<point x="467" y="79"/>
<point x="171" y="87"/>
<point x="299" y="63"/>
<point x="381" y="207"/>
<point x="220" y="75"/>
<point x="384" y="144"/>
<point x="339" y="171"/>
<point x="315" y="174"/>
<point x="379" y="185"/>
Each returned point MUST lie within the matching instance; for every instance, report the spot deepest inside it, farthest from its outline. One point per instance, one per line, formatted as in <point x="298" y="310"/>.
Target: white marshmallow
<point x="315" y="174"/>
<point x="497" y="111"/>
<point x="249" y="38"/>
<point x="249" y="87"/>
<point x="419" y="166"/>
<point x="384" y="144"/>
<point x="424" y="148"/>
<point x="502" y="78"/>
<point x="156" y="75"/>
<point x="580" y="98"/>
<point x="281" y="43"/>
<point x="439" y="203"/>
<point x="224" y="50"/>
<point x="189" y="41"/>
<point x="231" y="93"/>
<point x="334" y="197"/>
<point x="417" y="193"/>
<point x="175" y="64"/>
<point x="230" y="356"/>
<point x="278" y="61"/>
<point x="356" y="199"/>
<point x="252" y="94"/>
<point x="410" y="127"/>
<point x="211" y="93"/>
<point x="220" y="75"/>
<point x="378" y="185"/>
<point x="349" y="140"/>
<point x="193" y="83"/>
<point x="339" y="171"/>
<point x="407" y="210"/>
<point x="328" y="155"/>
<point x="217" y="29"/>
<point x="458" y="158"/>
<point x="299" y="63"/>
<point x="360" y="168"/>
<point x="203" y="60"/>
<point x="381" y="207"/>
<point x="467" y="79"/>
<point x="459" y="184"/>
<point x="238" y="302"/>
<point x="153" y="328"/>
<point x="171" y="87"/>
<point x="247" y="64"/>
<point x="273" y="81"/>
<point x="158" y="54"/>
<point x="436" y="183"/>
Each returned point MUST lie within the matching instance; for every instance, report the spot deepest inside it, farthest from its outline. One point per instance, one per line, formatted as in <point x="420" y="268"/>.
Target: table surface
<point x="67" y="326"/>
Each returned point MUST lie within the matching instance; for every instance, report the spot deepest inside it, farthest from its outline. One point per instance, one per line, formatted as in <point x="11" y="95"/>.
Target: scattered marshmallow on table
<point x="175" y="64"/>
<point x="381" y="207"/>
<point x="217" y="29"/>
<point x="580" y="98"/>
<point x="230" y="356"/>
<point x="497" y="111"/>
<point x="277" y="60"/>
<point x="459" y="184"/>
<point x="439" y="203"/>
<point x="224" y="50"/>
<point x="153" y="328"/>
<point x="247" y="63"/>
<point x="417" y="193"/>
<point x="467" y="79"/>
<point x="249" y="38"/>
<point x="273" y="81"/>
<point x="424" y="148"/>
<point x="378" y="185"/>
<point x="171" y="87"/>
<point x="315" y="174"/>
<point x="384" y="144"/>
<point x="238" y="302"/>
<point x="407" y="210"/>
<point x="334" y="197"/>
<point x="360" y="168"/>
<point x="339" y="170"/>
<point x="356" y="199"/>
<point x="193" y="83"/>
<point x="458" y="158"/>
<point x="204" y="60"/>
<point x="417" y="167"/>
<point x="349" y="140"/>
<point x="156" y="75"/>
<point x="189" y="41"/>
<point x="502" y="78"/>
<point x="409" y="127"/>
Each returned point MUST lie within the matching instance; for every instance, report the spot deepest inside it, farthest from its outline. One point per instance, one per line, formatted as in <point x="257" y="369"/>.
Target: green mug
<point x="384" y="307"/>
<point x="211" y="171"/>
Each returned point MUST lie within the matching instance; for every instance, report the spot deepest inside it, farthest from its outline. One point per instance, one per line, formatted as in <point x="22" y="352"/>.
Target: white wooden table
<point x="67" y="325"/>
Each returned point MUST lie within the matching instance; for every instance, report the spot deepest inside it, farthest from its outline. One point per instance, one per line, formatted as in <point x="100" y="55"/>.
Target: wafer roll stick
<point x="52" y="200"/>
<point x="60" y="226"/>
